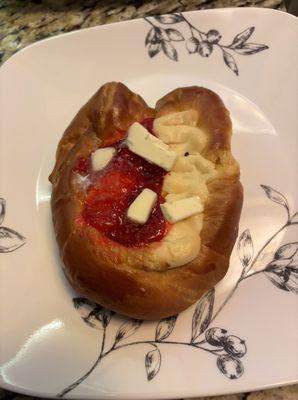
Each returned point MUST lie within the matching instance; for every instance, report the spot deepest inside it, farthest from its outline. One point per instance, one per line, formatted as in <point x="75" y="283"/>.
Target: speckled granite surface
<point x="24" y="22"/>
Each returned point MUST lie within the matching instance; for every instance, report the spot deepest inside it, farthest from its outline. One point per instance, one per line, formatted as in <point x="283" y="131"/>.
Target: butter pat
<point x="140" y="209"/>
<point x="101" y="157"/>
<point x="152" y="149"/>
<point x="177" y="210"/>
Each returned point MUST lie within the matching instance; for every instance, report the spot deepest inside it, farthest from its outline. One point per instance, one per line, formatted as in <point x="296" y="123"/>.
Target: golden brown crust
<point x="91" y="263"/>
<point x="113" y="107"/>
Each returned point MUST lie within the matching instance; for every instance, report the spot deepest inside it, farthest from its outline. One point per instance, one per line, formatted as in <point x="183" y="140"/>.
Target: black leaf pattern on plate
<point x="153" y="49"/>
<point x="150" y="37"/>
<point x="161" y="35"/>
<point x="82" y="301"/>
<point x="288" y="250"/>
<point x="276" y="197"/>
<point x="152" y="363"/>
<point x="94" y="318"/>
<point x="230" y="61"/>
<point x="277" y="264"/>
<point x="279" y="278"/>
<point x="164" y="328"/>
<point x="93" y="314"/>
<point x="10" y="240"/>
<point x="127" y="329"/>
<point x="174" y="35"/>
<point x="250" y="48"/>
<point x="228" y="349"/>
<point x="240" y="39"/>
<point x="106" y="316"/>
<point x="245" y="249"/>
<point x="199" y="42"/>
<point x="283" y="270"/>
<point x="169" y="50"/>
<point x="202" y="315"/>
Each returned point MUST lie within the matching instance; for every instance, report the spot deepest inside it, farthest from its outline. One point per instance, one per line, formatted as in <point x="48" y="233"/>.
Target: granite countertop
<point x="24" y="22"/>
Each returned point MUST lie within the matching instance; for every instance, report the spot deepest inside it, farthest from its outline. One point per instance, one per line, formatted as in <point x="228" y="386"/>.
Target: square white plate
<point x="46" y="346"/>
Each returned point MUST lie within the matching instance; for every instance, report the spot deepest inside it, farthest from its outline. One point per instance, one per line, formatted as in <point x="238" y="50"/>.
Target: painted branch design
<point x="162" y="38"/>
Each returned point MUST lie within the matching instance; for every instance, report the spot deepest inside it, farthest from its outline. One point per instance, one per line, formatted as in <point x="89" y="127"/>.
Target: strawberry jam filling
<point x="114" y="188"/>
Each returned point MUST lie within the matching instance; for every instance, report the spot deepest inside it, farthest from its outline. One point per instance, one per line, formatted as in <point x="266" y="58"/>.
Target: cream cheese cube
<point x="181" y="209"/>
<point x="140" y="209"/>
<point x="101" y="157"/>
<point x="152" y="149"/>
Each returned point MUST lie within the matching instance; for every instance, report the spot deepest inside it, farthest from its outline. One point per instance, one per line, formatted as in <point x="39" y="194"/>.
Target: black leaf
<point x="202" y="315"/>
<point x="161" y="35"/>
<point x="250" y="48"/>
<point x="106" y="316"/>
<point x="89" y="322"/>
<point x="2" y="210"/>
<point x="152" y="363"/>
<point x="153" y="49"/>
<point x="169" y="18"/>
<point x="292" y="282"/>
<point x="174" y="35"/>
<point x="82" y="301"/>
<point x="230" y="366"/>
<point x="91" y="313"/>
<point x="245" y="248"/>
<point x="169" y="50"/>
<point x="150" y="36"/>
<point x="127" y="329"/>
<point x="230" y="62"/>
<point x="94" y="317"/>
<point x="164" y="328"/>
<point x="10" y="240"/>
<point x="276" y="264"/>
<point x="276" y="197"/>
<point x="279" y="278"/>
<point x="294" y="219"/>
<point x="241" y="38"/>
<point x="286" y="251"/>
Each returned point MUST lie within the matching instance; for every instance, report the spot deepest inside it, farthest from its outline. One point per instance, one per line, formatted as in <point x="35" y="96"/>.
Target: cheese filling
<point x="187" y="179"/>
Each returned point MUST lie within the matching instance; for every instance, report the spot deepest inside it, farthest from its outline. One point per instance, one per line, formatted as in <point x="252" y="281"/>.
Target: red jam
<point x="83" y="166"/>
<point x="113" y="189"/>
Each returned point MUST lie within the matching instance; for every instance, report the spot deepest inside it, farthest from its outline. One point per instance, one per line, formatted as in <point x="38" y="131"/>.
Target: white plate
<point x="45" y="344"/>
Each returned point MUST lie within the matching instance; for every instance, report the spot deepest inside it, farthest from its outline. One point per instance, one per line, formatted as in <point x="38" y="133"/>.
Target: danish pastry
<point x="146" y="202"/>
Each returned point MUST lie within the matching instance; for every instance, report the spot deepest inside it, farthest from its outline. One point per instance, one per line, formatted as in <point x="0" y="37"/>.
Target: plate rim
<point x="168" y="395"/>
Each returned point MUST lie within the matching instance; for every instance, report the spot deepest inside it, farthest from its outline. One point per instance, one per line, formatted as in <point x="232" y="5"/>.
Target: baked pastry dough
<point x="161" y="277"/>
